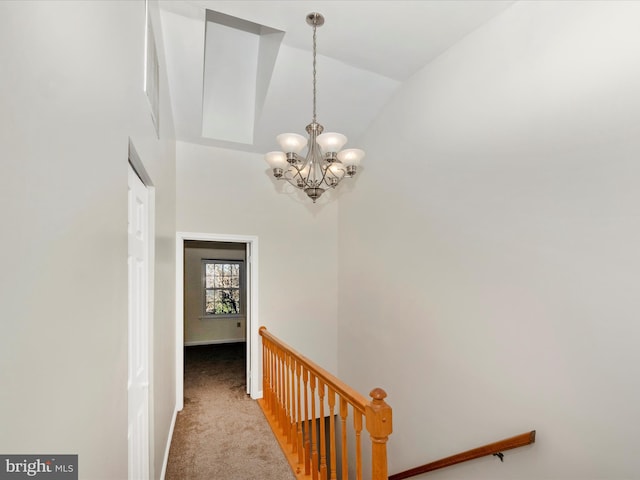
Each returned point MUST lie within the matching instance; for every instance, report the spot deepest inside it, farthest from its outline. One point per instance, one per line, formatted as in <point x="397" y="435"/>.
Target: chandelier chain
<point x="314" y="73"/>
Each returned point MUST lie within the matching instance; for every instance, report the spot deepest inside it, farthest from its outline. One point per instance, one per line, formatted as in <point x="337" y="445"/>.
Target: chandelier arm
<point x="293" y="172"/>
<point x="290" y="182"/>
<point x="333" y="175"/>
<point x="324" y="175"/>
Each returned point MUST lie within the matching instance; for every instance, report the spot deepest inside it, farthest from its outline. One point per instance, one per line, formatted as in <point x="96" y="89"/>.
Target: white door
<point x="138" y="375"/>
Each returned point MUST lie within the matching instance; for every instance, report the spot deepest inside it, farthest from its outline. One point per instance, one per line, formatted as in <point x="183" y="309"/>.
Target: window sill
<point x="221" y="317"/>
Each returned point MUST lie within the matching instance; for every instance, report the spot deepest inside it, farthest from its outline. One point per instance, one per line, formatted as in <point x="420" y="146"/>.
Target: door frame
<point x="252" y="336"/>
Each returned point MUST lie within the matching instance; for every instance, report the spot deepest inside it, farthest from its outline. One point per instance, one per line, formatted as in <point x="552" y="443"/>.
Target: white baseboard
<point x="168" y="447"/>
<point x="213" y="342"/>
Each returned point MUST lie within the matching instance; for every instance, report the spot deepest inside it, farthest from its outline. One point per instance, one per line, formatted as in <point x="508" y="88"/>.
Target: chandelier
<point x="325" y="164"/>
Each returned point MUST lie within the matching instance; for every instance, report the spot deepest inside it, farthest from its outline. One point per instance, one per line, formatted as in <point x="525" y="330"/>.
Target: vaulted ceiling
<point x="240" y="72"/>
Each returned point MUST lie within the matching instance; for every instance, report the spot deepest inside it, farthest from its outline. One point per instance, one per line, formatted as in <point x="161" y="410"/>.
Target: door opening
<point x="196" y="320"/>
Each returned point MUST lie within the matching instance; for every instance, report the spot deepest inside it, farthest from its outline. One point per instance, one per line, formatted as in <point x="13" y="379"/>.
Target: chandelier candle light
<point x="325" y="164"/>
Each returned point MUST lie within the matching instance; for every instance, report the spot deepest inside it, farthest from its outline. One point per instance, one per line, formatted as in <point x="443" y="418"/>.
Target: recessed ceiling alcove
<point x="239" y="57"/>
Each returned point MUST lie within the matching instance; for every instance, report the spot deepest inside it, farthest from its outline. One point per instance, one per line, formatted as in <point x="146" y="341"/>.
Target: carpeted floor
<point x="222" y="434"/>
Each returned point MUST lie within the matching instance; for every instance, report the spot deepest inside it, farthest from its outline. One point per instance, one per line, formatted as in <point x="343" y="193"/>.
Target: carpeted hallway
<point x="222" y="434"/>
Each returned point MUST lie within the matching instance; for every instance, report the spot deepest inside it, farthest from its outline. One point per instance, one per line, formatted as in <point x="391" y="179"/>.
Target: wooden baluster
<point x="266" y="381"/>
<point x="344" y="410"/>
<point x="285" y="413"/>
<point x="276" y="371"/>
<point x="292" y="397"/>
<point x="357" y="424"/>
<point x="282" y="398"/>
<point x="276" y="386"/>
<point x="264" y="350"/>
<point x="379" y="426"/>
<point x="267" y="368"/>
<point x="307" y="425"/>
<point x="292" y="404"/>
<point x="272" y="381"/>
<point x="265" y="373"/>
<point x="294" y="411"/>
<point x="331" y="398"/>
<point x="314" y="433"/>
<point x="323" y="438"/>
<point x="287" y="397"/>
<point x="300" y="445"/>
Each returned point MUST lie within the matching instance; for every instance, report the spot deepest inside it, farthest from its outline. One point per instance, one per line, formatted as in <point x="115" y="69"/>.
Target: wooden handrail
<point x="356" y="399"/>
<point x="293" y="386"/>
<point x="490" y="449"/>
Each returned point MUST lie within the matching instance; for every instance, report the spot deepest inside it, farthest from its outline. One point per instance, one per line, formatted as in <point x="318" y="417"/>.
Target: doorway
<point x="250" y="245"/>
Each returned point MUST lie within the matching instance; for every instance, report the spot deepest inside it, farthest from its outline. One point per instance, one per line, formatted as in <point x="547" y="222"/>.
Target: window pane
<point x="209" y="306"/>
<point x="209" y="275"/>
<point x="226" y="302"/>
<point x="219" y="276"/>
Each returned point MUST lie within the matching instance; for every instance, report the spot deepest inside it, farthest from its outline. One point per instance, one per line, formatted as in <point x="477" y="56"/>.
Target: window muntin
<point x="222" y="281"/>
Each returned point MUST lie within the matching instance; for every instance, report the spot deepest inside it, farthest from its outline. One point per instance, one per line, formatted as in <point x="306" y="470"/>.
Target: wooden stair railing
<point x="295" y="394"/>
<point x="495" y="448"/>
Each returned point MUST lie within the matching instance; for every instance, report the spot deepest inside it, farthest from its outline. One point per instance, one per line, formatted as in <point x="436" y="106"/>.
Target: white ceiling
<point x="366" y="49"/>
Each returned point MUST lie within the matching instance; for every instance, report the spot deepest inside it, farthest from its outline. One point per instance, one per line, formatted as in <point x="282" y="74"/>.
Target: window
<point x="222" y="281"/>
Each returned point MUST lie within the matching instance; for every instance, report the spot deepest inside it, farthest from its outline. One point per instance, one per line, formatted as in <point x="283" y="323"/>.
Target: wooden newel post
<point x="379" y="426"/>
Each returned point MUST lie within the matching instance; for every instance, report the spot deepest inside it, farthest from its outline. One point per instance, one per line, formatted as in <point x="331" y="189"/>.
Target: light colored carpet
<point x="221" y="434"/>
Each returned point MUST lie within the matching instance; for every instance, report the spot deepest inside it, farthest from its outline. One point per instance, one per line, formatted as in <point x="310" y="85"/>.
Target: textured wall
<point x="222" y="191"/>
<point x="70" y="99"/>
<point x="507" y="172"/>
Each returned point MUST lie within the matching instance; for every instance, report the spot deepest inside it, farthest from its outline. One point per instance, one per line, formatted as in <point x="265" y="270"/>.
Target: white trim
<point x="152" y="291"/>
<point x="252" y="322"/>
<point x="195" y="343"/>
<point x="179" y="321"/>
<point x="204" y="262"/>
<point x="168" y="447"/>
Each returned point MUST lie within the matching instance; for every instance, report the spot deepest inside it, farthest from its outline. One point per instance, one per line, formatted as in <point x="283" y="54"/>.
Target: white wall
<point x="225" y="192"/>
<point x="70" y="99"/>
<point x="507" y="170"/>
<point x="199" y="330"/>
